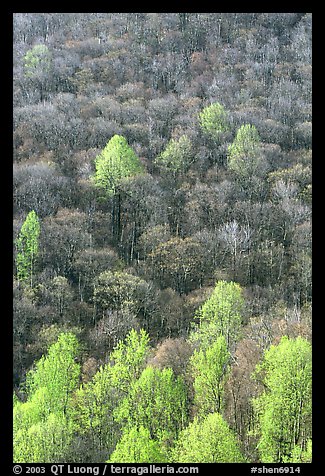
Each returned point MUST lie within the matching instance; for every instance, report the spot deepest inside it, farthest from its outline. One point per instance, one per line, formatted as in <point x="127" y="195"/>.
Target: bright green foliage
<point x="178" y="155"/>
<point x="156" y="401"/>
<point x="128" y="359"/>
<point x="32" y="411"/>
<point x="301" y="455"/>
<point x="57" y="372"/>
<point x="44" y="441"/>
<point x="136" y="446"/>
<point x="92" y="412"/>
<point x="116" y="162"/>
<point x="220" y="314"/>
<point x="38" y="60"/>
<point x="27" y="245"/>
<point x="42" y="425"/>
<point x="96" y="401"/>
<point x="214" y="120"/>
<point x="208" y="369"/>
<point x="243" y="152"/>
<point x="283" y="410"/>
<point x="209" y="440"/>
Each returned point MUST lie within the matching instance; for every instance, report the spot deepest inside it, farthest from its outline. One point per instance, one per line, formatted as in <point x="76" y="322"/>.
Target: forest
<point x="162" y="237"/>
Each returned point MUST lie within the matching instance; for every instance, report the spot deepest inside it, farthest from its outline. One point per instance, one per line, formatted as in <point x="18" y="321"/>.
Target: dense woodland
<point x="162" y="237"/>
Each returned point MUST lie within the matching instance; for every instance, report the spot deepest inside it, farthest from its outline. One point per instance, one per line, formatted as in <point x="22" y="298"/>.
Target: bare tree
<point x="236" y="239"/>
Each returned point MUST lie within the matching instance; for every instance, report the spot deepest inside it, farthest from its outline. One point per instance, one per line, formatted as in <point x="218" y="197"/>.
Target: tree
<point x="214" y="120"/>
<point x="38" y="65"/>
<point x="171" y="317"/>
<point x="63" y="236"/>
<point x="128" y="359"/>
<point x="38" y="61"/>
<point x="157" y="401"/>
<point x="209" y="368"/>
<point x="27" y="245"/>
<point x="120" y="291"/>
<point x="113" y="326"/>
<point x="301" y="455"/>
<point x="45" y="441"/>
<point x="92" y="414"/>
<point x="236" y="239"/>
<point x="40" y="187"/>
<point x="95" y="403"/>
<point x="143" y="203"/>
<point x="60" y="295"/>
<point x="116" y="162"/>
<point x="137" y="446"/>
<point x="58" y="372"/>
<point x="42" y="424"/>
<point x="177" y="263"/>
<point x="283" y="411"/>
<point x="173" y="353"/>
<point x="90" y="263"/>
<point x="122" y="249"/>
<point x="208" y="440"/>
<point x="177" y="156"/>
<point x="243" y="152"/>
<point x="221" y="314"/>
<point x="239" y="390"/>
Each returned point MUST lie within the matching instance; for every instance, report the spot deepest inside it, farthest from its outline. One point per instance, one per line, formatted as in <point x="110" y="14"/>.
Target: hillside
<point x="162" y="226"/>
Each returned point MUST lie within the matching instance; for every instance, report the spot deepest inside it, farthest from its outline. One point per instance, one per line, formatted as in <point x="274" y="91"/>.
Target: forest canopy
<point x="162" y="237"/>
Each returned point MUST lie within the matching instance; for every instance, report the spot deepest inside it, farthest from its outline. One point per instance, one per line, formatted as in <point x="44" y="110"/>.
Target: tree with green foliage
<point x="58" y="372"/>
<point x="177" y="156"/>
<point x="96" y="401"/>
<point x="207" y="440"/>
<point x="42" y="424"/>
<point x="221" y="314"/>
<point x="283" y="411"/>
<point x="46" y="440"/>
<point x="209" y="368"/>
<point x="137" y="446"/>
<point x="243" y="156"/>
<point x="27" y="246"/>
<point x="128" y="359"/>
<point x="116" y="162"/>
<point x="157" y="401"/>
<point x="214" y="120"/>
<point x="37" y="61"/>
<point x="301" y="454"/>
<point x="92" y="411"/>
